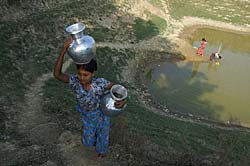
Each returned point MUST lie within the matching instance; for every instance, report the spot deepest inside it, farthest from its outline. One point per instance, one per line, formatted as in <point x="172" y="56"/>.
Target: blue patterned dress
<point x="96" y="125"/>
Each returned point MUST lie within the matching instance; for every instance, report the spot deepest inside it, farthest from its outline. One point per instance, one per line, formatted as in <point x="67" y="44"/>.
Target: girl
<point x="88" y="91"/>
<point x="201" y="49"/>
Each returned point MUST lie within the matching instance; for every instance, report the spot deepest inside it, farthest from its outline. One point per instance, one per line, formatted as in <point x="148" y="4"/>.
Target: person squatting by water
<point x="202" y="47"/>
<point x="215" y="57"/>
<point x="88" y="91"/>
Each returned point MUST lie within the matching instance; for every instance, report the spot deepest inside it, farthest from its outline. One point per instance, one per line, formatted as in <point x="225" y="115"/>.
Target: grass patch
<point x="159" y="22"/>
<point x="147" y="29"/>
<point x="100" y="33"/>
<point x="111" y="63"/>
<point x="186" y="137"/>
<point x="227" y="11"/>
<point x="59" y="103"/>
<point x="156" y="3"/>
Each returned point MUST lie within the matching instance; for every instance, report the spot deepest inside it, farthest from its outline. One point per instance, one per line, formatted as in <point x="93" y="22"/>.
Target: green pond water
<point x="220" y="92"/>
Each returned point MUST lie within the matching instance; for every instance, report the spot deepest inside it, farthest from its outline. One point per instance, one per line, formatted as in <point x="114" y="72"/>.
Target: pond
<point x="220" y="92"/>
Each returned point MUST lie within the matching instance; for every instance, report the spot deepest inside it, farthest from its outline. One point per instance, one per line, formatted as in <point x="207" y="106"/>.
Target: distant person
<point x="215" y="57"/>
<point x="202" y="47"/>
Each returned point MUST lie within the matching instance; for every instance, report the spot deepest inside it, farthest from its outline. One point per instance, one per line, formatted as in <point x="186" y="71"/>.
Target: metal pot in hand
<point x="107" y="105"/>
<point x="82" y="49"/>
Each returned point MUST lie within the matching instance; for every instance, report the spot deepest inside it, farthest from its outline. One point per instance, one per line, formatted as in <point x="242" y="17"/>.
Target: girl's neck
<point x="86" y="86"/>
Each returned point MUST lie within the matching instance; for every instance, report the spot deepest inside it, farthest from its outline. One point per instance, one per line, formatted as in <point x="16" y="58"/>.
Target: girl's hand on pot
<point x="120" y="104"/>
<point x="67" y="43"/>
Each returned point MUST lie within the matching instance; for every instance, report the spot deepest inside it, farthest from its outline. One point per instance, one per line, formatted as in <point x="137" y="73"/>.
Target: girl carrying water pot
<point x="88" y="91"/>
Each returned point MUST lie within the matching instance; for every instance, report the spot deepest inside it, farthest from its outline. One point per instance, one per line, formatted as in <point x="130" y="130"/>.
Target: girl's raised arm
<point x="59" y="62"/>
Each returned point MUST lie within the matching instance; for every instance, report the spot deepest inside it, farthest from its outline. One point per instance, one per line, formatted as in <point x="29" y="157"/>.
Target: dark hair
<point x="203" y="39"/>
<point x="220" y="57"/>
<point x="91" y="66"/>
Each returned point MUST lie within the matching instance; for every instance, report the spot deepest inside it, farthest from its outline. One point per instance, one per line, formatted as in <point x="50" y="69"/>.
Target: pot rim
<point x="75" y="28"/>
<point x="123" y="89"/>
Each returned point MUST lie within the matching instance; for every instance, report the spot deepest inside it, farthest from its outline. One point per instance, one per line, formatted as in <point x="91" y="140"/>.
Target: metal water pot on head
<point x="82" y="49"/>
<point x="107" y="104"/>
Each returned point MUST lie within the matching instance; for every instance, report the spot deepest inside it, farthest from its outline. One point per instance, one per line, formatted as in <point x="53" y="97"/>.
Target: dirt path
<point x="138" y="8"/>
<point x="31" y="114"/>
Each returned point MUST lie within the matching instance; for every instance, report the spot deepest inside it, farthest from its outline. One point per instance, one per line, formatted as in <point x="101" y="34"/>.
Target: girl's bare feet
<point x="101" y="155"/>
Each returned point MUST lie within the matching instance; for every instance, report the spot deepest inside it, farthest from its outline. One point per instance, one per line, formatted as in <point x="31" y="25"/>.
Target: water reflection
<point x="195" y="68"/>
<point x="212" y="66"/>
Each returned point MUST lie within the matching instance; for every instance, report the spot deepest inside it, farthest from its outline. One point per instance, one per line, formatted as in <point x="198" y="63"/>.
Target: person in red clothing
<point x="201" y="49"/>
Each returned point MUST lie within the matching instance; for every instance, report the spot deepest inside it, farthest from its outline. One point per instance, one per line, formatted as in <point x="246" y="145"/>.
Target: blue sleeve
<point x="72" y="82"/>
<point x="103" y="83"/>
<point x="100" y="85"/>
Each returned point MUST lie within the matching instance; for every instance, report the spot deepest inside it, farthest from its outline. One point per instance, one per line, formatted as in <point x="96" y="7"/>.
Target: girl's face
<point x="84" y="76"/>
